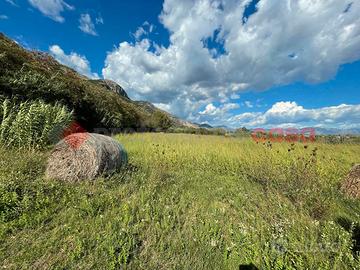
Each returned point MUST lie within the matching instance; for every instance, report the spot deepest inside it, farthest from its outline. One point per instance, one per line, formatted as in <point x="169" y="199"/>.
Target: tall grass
<point x="31" y="124"/>
<point x="184" y="202"/>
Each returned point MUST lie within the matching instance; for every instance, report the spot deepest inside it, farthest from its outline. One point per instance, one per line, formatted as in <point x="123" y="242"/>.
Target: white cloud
<point x="143" y="30"/>
<point x="216" y="115"/>
<point x="73" y="60"/>
<point x="209" y="109"/>
<point x="283" y="42"/>
<point x="3" y="17"/>
<point x="87" y="25"/>
<point x="291" y="114"/>
<point x="139" y="33"/>
<point x="162" y="106"/>
<point x="12" y="2"/>
<point x="51" y="8"/>
<point x="248" y="104"/>
<point x="99" y="20"/>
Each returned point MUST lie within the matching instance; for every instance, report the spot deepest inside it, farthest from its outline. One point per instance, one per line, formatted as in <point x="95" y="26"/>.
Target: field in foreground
<point x="184" y="202"/>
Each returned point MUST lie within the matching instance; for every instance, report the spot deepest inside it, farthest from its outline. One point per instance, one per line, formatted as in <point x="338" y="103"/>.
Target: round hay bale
<point x="351" y="184"/>
<point x="83" y="156"/>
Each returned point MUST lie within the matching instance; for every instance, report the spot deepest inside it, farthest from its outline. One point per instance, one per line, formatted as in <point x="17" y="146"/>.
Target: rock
<point x="112" y="86"/>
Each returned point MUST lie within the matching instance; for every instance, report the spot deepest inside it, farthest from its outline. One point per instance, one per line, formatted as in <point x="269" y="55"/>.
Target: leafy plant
<point x="32" y="123"/>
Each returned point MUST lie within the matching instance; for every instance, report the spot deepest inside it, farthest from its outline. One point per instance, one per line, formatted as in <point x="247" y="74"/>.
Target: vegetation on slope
<point x="185" y="202"/>
<point x="28" y="75"/>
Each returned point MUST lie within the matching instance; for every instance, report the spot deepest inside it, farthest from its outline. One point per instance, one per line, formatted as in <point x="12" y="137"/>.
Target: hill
<point x="205" y="125"/>
<point x="32" y="75"/>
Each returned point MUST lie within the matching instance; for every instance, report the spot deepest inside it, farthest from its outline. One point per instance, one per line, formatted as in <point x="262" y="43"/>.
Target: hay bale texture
<point x="85" y="156"/>
<point x="351" y="184"/>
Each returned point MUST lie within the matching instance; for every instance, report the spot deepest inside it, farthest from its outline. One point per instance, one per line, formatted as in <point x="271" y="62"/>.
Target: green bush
<point x="160" y="121"/>
<point x="31" y="123"/>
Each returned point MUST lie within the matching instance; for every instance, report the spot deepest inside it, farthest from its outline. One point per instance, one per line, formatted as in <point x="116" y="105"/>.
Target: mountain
<point x="205" y="125"/>
<point x="208" y="126"/>
<point x="112" y="86"/>
<point x="32" y="75"/>
<point x="176" y="122"/>
<point x="331" y="131"/>
<point x="335" y="131"/>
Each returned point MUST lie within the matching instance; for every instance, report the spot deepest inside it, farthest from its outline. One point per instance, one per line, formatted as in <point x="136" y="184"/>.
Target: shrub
<point x="31" y="123"/>
<point x="160" y="121"/>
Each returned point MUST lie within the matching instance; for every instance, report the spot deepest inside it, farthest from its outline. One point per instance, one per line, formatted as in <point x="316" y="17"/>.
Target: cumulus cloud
<point x="209" y="109"/>
<point x="52" y="8"/>
<point x="291" y="114"/>
<point x="216" y="115"/>
<point x="73" y="60"/>
<point x="86" y="24"/>
<point x="214" y="55"/>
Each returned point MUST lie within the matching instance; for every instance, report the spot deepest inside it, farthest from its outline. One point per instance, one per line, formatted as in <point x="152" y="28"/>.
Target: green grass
<point x="184" y="202"/>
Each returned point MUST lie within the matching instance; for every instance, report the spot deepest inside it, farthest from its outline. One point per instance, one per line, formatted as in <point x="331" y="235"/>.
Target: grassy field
<point x="184" y="202"/>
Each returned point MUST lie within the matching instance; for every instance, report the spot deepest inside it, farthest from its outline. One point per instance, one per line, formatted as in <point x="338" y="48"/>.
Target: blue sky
<point x="225" y="62"/>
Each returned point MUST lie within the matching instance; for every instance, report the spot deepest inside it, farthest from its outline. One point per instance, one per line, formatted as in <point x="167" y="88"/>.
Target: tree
<point x="161" y="121"/>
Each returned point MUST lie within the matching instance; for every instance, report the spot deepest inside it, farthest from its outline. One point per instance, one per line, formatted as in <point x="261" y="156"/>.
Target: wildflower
<point x="213" y="243"/>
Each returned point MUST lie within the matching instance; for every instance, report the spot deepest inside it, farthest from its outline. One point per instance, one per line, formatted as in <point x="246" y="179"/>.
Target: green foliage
<point x="31" y="124"/>
<point x="160" y="121"/>
<point x="199" y="131"/>
<point x="242" y="132"/>
<point x="185" y="202"/>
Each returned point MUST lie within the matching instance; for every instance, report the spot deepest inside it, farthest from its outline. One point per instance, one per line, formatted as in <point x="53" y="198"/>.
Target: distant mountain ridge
<point x="208" y="126"/>
<point x="336" y="131"/>
<point x="204" y="125"/>
<point x="332" y="131"/>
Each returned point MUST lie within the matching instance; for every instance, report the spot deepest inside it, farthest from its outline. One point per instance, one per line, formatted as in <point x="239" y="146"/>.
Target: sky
<point x="235" y="63"/>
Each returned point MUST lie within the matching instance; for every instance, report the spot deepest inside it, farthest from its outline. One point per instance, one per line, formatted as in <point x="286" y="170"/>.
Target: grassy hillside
<point x="185" y="202"/>
<point x="26" y="75"/>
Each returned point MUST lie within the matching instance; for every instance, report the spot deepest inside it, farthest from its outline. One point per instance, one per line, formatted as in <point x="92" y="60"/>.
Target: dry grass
<point x="85" y="156"/>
